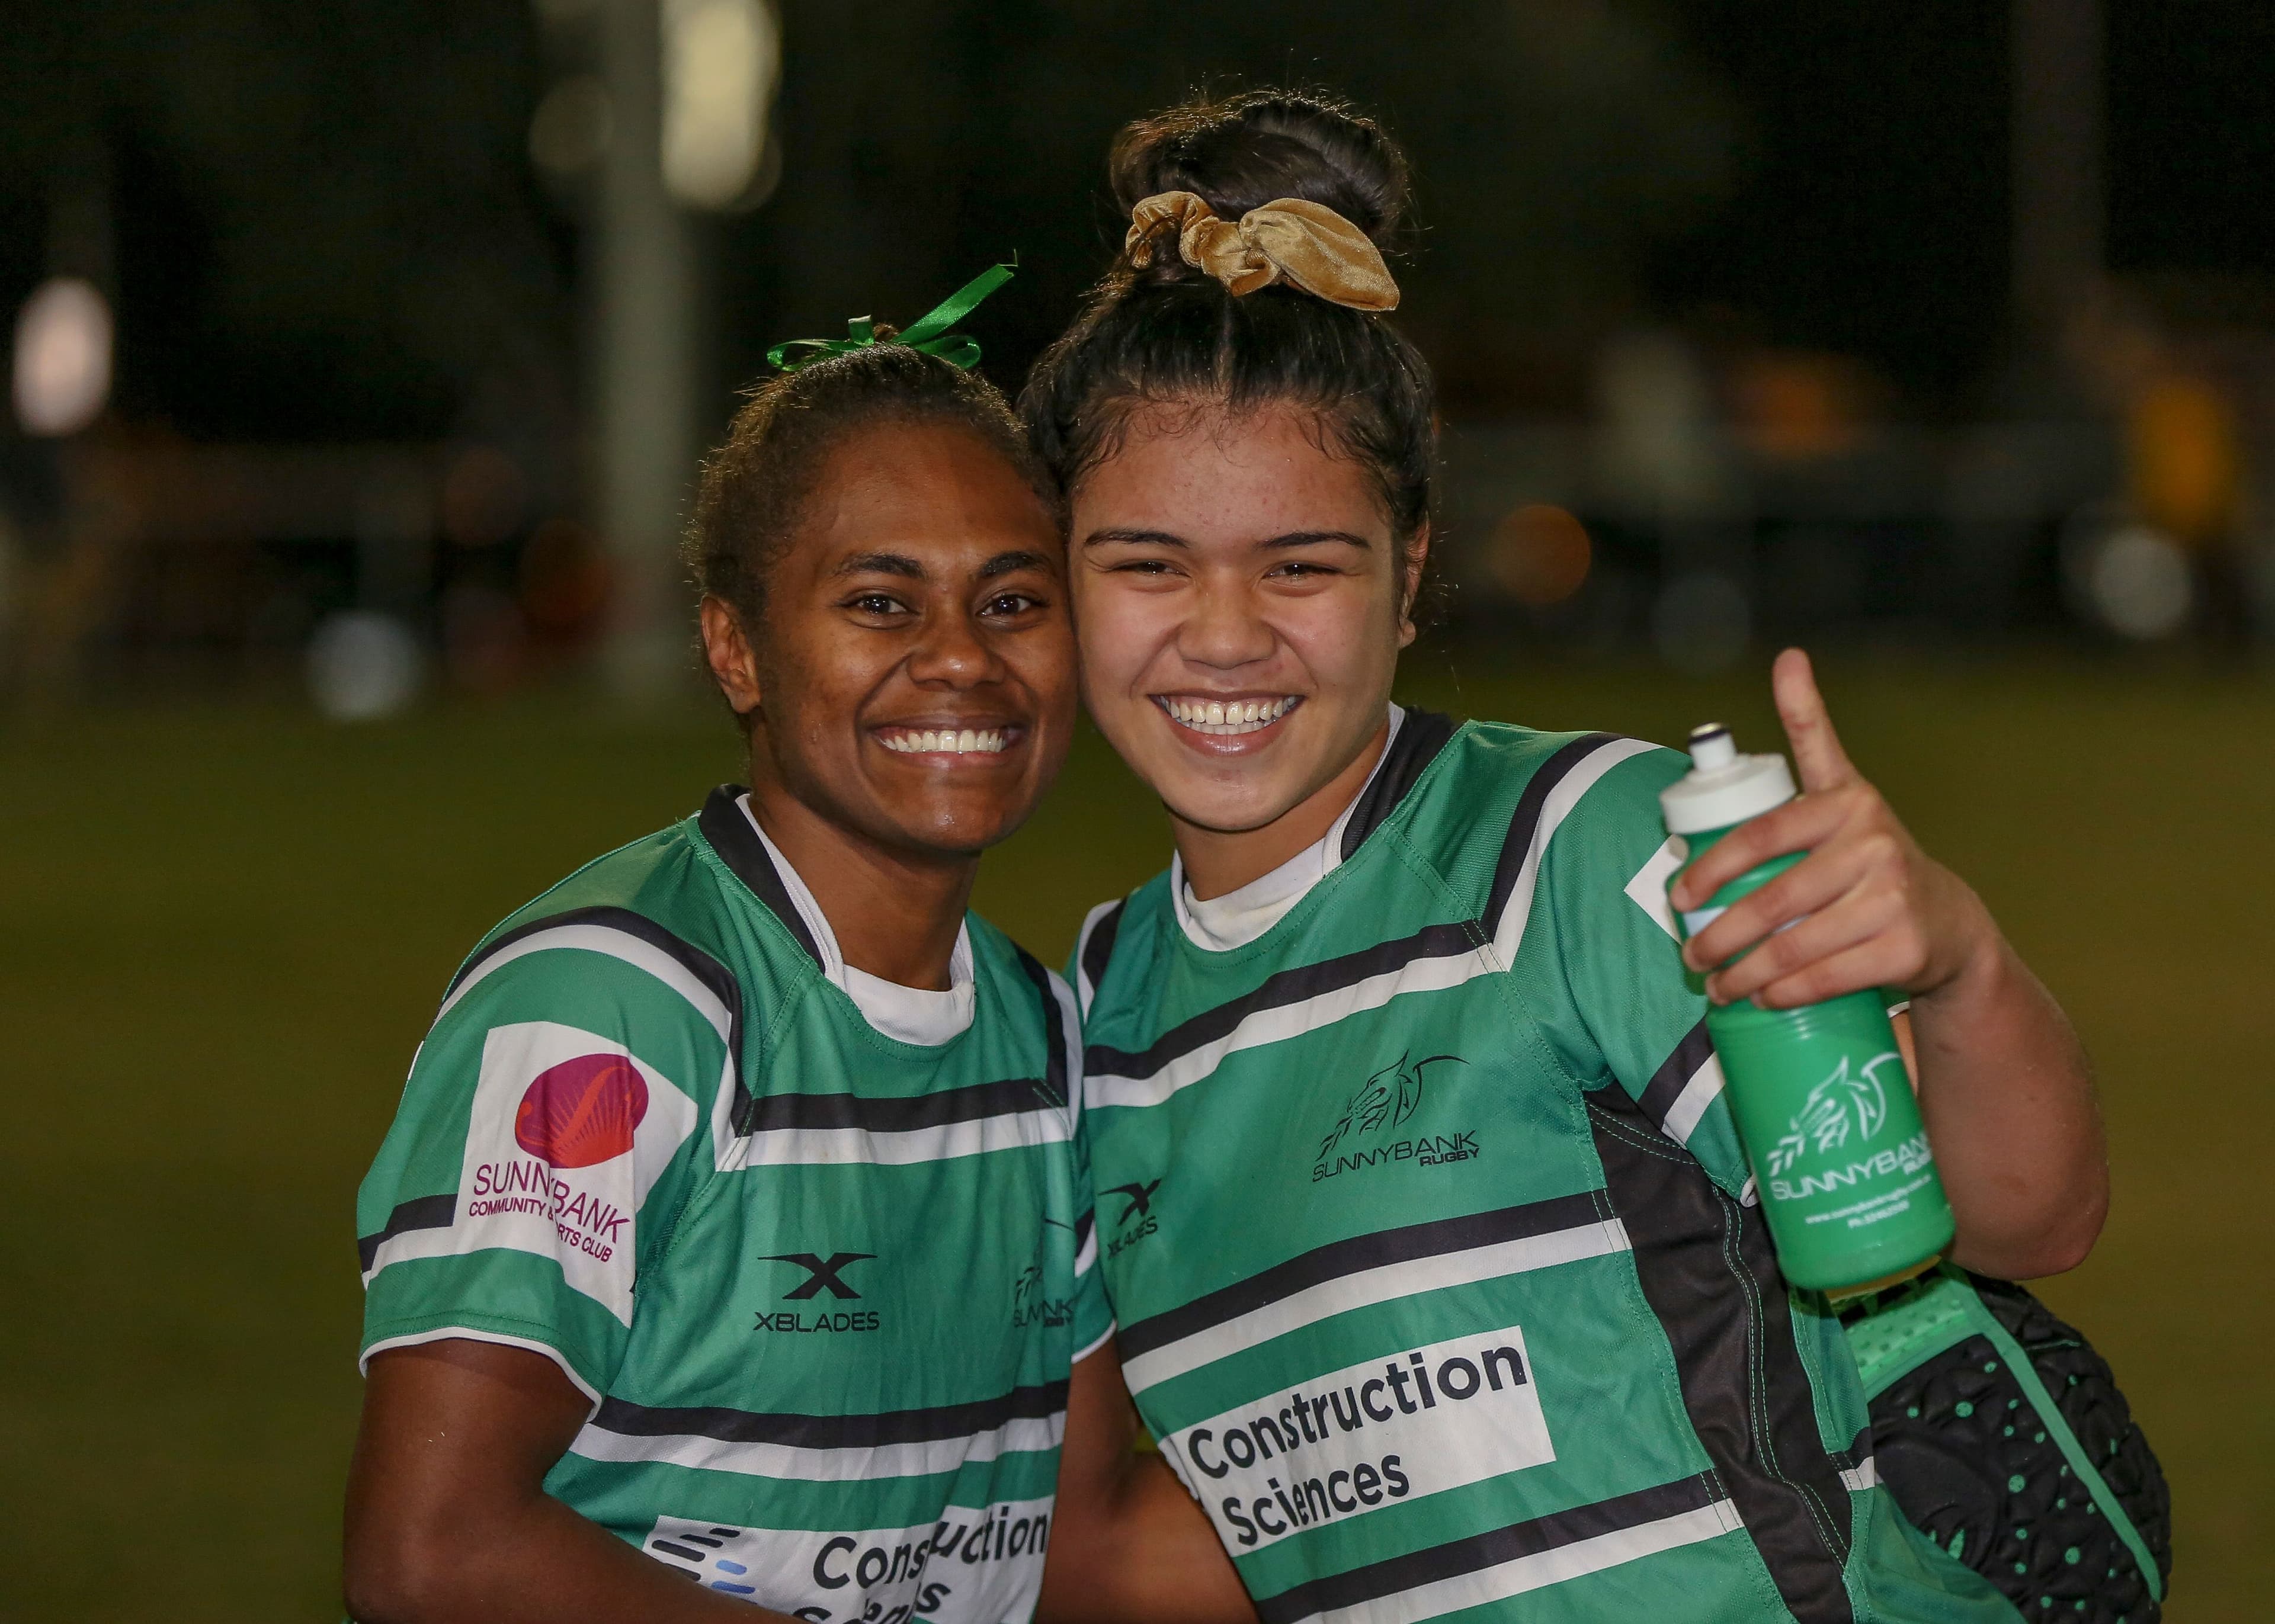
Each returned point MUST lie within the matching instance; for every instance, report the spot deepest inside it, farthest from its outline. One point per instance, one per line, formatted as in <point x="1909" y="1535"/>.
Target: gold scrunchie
<point x="1310" y="244"/>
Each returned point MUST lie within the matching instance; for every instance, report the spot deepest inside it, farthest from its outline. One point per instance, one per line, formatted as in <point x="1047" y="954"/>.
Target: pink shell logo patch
<point x="582" y="1111"/>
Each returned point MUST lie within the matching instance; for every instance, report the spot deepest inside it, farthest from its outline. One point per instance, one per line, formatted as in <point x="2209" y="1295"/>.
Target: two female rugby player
<point x="731" y="1245"/>
<point x="1446" y="1293"/>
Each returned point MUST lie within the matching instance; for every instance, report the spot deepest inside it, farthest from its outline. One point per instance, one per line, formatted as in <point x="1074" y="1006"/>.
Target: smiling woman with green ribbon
<point x="730" y="1256"/>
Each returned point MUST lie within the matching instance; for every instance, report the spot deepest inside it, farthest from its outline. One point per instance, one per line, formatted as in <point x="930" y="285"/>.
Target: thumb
<point x="1817" y="752"/>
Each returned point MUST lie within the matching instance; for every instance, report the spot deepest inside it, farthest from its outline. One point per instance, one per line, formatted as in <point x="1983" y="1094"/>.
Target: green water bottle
<point x="1823" y="1104"/>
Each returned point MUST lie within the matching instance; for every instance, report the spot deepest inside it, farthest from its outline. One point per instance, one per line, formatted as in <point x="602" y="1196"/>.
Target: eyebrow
<point x="914" y="570"/>
<point x="881" y="564"/>
<point x="1163" y="538"/>
<point x="1004" y="563"/>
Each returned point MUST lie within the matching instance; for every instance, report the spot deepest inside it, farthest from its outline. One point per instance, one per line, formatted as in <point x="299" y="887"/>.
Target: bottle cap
<point x="1723" y="787"/>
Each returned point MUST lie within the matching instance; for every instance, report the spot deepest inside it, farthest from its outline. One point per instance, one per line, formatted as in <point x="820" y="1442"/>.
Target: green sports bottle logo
<point x="1822" y="1101"/>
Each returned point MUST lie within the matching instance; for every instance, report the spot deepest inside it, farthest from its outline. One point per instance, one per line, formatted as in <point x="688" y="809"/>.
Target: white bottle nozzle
<point x="1722" y="786"/>
<point x="1711" y="746"/>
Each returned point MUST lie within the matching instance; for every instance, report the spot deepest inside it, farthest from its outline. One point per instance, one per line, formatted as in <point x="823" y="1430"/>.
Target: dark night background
<point x="327" y="226"/>
<point x="350" y="621"/>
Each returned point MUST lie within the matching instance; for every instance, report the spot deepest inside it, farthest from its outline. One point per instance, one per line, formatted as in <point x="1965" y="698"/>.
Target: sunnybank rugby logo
<point x="1362" y="1137"/>
<point x="1845" y="1105"/>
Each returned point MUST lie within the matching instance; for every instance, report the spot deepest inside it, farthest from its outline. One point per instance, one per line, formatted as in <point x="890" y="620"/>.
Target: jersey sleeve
<point x="551" y="1130"/>
<point x="1094" y="1315"/>
<point x="1637" y="1018"/>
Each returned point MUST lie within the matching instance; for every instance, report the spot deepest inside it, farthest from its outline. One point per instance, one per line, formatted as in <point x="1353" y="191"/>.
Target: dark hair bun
<point x="1250" y="148"/>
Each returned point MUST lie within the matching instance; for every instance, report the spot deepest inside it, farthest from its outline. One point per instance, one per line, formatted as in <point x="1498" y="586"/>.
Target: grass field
<point x="226" y="930"/>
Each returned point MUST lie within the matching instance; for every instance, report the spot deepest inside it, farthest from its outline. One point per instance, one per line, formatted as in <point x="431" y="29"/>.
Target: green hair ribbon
<point x="928" y="332"/>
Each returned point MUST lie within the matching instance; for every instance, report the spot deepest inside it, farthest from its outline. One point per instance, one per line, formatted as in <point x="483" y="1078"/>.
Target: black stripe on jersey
<point x="1420" y="737"/>
<point x="1293" y="985"/>
<point x="773" y="1112"/>
<point x="796" y="1431"/>
<point x="419" y="1212"/>
<point x="715" y="977"/>
<point x="1858" y="1452"/>
<point x="1337" y="1259"/>
<point x="1356" y="1586"/>
<point x="740" y="847"/>
<point x="1098" y="951"/>
<point x="1288" y="987"/>
<point x="1056" y="1069"/>
<point x="1526" y="822"/>
<point x="1674" y="1074"/>
<point x="1707" y="1271"/>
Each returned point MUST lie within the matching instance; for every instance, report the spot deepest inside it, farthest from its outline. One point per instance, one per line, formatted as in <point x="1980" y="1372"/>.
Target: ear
<point x="1413" y="556"/>
<point x="727" y="653"/>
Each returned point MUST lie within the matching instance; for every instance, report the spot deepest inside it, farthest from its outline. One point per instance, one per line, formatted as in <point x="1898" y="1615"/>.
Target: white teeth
<point x="1217" y="716"/>
<point x="946" y="741"/>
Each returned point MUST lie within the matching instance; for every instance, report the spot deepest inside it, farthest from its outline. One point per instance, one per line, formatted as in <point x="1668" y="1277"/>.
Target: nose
<point x="1225" y="628"/>
<point x="951" y="654"/>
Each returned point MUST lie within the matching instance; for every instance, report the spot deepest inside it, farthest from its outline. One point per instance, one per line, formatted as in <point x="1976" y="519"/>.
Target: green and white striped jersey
<point x="823" y="1286"/>
<point x="1429" y="1232"/>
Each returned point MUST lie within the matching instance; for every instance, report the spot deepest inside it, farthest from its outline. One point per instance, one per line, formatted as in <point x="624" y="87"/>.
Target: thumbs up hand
<point x="1866" y="908"/>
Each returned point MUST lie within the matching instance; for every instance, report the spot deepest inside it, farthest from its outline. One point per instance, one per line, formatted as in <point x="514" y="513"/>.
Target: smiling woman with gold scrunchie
<point x="1431" y="1245"/>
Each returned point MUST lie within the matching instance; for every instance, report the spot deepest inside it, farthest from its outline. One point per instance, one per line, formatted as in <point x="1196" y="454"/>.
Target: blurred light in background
<point x="363" y="665"/>
<point x="570" y="129"/>
<point x="1798" y="406"/>
<point x="2130" y="576"/>
<point x="720" y="61"/>
<point x="1540" y="555"/>
<point x="2183" y="461"/>
<point x="1662" y="453"/>
<point x="63" y="357"/>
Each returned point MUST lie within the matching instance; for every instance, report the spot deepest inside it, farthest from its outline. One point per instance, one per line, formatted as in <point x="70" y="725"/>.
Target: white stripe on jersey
<point x="1647" y="890"/>
<point x="1424" y="975"/>
<point x="1070" y="1035"/>
<point x="1557" y="807"/>
<point x="468" y="1333"/>
<point x="1865" y="1475"/>
<point x="804" y="1147"/>
<point x="1519" y="1575"/>
<point x="1277" y="1025"/>
<point x="1384" y="1283"/>
<point x="1690" y="1104"/>
<point x="617" y="945"/>
<point x="1021" y="1434"/>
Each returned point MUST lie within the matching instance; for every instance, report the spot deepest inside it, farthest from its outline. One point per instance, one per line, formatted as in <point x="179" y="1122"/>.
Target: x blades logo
<point x="1138" y="1220"/>
<point x="822" y="1274"/>
<point x="1141" y="1199"/>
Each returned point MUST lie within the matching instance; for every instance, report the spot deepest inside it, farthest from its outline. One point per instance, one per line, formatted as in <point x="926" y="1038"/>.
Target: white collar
<point x="907" y="1013"/>
<point x="1239" y="917"/>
